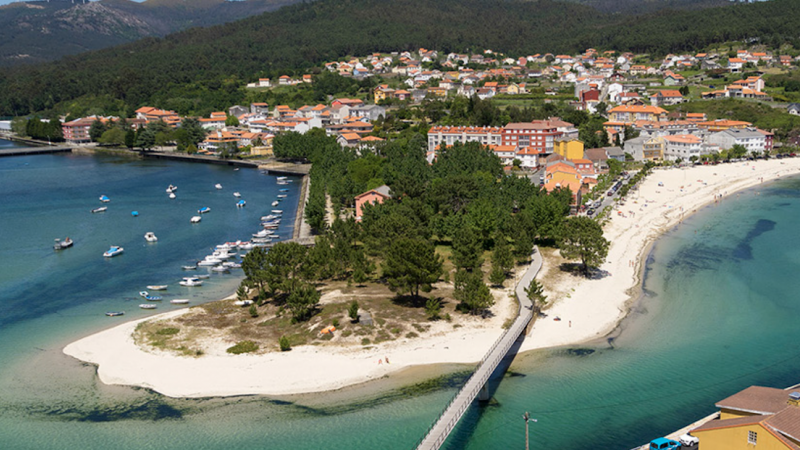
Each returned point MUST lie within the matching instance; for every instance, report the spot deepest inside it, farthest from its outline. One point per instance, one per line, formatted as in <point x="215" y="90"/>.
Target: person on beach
<point x="387" y="359"/>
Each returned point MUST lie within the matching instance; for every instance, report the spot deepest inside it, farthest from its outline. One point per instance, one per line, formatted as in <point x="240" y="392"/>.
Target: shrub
<point x="365" y="341"/>
<point x="336" y="323"/>
<point x="168" y="331"/>
<point x="432" y="308"/>
<point x="253" y="310"/>
<point x="352" y="311"/>
<point x="243" y="347"/>
<point x="284" y="344"/>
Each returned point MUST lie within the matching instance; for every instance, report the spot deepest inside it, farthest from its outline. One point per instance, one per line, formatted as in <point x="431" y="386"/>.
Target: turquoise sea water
<point x="718" y="315"/>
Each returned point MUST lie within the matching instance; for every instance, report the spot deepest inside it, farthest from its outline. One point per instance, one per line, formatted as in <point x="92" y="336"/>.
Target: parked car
<point x="664" y="444"/>
<point x="590" y="212"/>
<point x="687" y="440"/>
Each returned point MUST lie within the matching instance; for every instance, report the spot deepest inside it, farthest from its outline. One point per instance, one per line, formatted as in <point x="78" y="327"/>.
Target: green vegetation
<point x="583" y="239"/>
<point x="168" y="331"/>
<point x="759" y="114"/>
<point x="201" y="70"/>
<point x="243" y="347"/>
<point x="352" y="311"/>
<point x="284" y="344"/>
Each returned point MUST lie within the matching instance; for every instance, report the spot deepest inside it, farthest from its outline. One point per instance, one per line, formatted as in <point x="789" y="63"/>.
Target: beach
<point x="593" y="309"/>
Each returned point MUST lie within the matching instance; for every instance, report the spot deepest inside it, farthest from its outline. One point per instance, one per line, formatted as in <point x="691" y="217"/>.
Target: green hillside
<point x="204" y="68"/>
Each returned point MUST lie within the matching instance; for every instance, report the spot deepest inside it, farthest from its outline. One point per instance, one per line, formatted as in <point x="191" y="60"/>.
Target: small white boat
<point x="171" y="189"/>
<point x="218" y="186"/>
<point x="281" y="178"/>
<point x="277" y="211"/>
<point x="276" y="203"/>
<point x="282" y="196"/>
<point x="194" y="267"/>
<point x="191" y="281"/>
<point x="147" y="306"/>
<point x="246" y="246"/>
<point x="143" y="293"/>
<point x="100" y="209"/>
<point x="150" y="237"/>
<point x="196" y="219"/>
<point x="61" y="245"/>
<point x="219" y="269"/>
<point x="209" y="262"/>
<point x="204" y="210"/>
<point x="241" y="204"/>
<point x="158" y="287"/>
<point x="237" y="195"/>
<point x="113" y="251"/>
<point x="179" y="301"/>
<point x="115" y="313"/>
<point x="232" y="265"/>
<point x="171" y="195"/>
<point x="104" y="199"/>
<point x="269" y="217"/>
<point x="260" y="234"/>
<point x="261" y="240"/>
<point x="204" y="276"/>
<point x="284" y="190"/>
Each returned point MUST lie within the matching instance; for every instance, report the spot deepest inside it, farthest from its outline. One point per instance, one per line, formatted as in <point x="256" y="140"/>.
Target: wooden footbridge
<point x="476" y="386"/>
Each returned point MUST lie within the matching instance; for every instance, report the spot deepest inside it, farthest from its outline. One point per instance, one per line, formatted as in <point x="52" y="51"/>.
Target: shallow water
<point x="718" y="316"/>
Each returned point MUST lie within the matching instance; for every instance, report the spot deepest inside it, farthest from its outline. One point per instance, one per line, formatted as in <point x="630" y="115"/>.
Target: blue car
<point x="664" y="444"/>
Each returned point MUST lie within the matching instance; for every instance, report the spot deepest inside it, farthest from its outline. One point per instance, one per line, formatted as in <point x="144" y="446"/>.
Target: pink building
<point x="377" y="195"/>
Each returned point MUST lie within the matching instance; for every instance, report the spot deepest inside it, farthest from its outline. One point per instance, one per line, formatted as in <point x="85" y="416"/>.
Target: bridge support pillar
<point x="483" y="394"/>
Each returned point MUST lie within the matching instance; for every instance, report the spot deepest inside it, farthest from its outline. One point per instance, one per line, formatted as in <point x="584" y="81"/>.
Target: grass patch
<point x="170" y="331"/>
<point x="243" y="347"/>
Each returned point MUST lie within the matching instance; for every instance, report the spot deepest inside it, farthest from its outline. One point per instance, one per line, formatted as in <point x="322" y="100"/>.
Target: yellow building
<point x="382" y="92"/>
<point x="755" y="418"/>
<point x="568" y="148"/>
<point x="653" y="149"/>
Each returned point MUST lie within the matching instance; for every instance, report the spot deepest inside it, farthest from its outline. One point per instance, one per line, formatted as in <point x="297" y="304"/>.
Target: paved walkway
<point x="449" y="418"/>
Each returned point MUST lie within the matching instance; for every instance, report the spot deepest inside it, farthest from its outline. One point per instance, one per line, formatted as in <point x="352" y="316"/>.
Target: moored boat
<point x="237" y="195"/>
<point x="241" y="203"/>
<point x="171" y="189"/>
<point x="115" y="313"/>
<point x="282" y="196"/>
<point x="113" y="251"/>
<point x="194" y="267"/>
<point x="284" y="190"/>
<point x="135" y="213"/>
<point x="276" y="203"/>
<point x="172" y="195"/>
<point x="100" y="209"/>
<point x="191" y="281"/>
<point x="61" y="245"/>
<point x="158" y="287"/>
<point x="281" y="178"/>
<point x="218" y="186"/>
<point x="277" y="211"/>
<point x="204" y="210"/>
<point x="104" y="199"/>
<point x="196" y="219"/>
<point x="179" y="301"/>
<point x="150" y="237"/>
<point x="147" y="306"/>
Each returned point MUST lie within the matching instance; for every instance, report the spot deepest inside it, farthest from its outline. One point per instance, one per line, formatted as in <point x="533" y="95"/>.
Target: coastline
<point x="592" y="310"/>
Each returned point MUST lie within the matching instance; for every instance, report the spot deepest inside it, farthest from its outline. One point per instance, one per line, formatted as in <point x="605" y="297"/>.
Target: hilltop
<point x="206" y="67"/>
<point x="32" y="32"/>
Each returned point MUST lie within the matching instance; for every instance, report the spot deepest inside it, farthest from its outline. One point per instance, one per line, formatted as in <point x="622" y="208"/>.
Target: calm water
<point x="718" y="316"/>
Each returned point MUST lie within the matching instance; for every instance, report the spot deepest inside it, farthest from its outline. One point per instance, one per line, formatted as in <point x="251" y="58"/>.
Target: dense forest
<point x="204" y="69"/>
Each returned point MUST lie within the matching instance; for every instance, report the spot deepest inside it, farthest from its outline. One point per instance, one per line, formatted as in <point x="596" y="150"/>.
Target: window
<point x="752" y="437"/>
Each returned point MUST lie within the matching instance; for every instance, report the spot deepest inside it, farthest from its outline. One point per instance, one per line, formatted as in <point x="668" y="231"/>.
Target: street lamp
<point x="527" y="417"/>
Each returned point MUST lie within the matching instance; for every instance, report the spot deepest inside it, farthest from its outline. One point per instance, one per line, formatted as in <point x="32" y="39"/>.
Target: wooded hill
<point x="204" y="68"/>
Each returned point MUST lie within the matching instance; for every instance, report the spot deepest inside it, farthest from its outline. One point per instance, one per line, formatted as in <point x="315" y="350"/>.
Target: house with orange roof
<point x="378" y="195"/>
<point x="632" y="113"/>
<point x="736" y="64"/>
<point x="723" y="124"/>
<point x="682" y="146"/>
<point x="666" y="97"/>
<point x="307" y="78"/>
<point x="673" y="79"/>
<point x="150" y="114"/>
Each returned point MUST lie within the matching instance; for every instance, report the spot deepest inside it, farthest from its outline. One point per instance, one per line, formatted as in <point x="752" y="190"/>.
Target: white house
<point x="749" y="138"/>
<point x="682" y="146"/>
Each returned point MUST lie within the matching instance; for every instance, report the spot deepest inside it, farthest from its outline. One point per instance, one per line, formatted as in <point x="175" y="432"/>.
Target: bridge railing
<point x="472" y="387"/>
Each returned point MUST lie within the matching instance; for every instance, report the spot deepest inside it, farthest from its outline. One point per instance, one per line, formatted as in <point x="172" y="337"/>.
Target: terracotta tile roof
<point x="755" y="399"/>
<point x="683" y="139"/>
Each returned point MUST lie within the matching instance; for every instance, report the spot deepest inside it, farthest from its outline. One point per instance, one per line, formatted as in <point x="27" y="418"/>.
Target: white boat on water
<point x="196" y="219"/>
<point x="104" y="199"/>
<point x="237" y="195"/>
<point x="171" y="189"/>
<point x="246" y="246"/>
<point x="276" y="203"/>
<point x="204" y="276"/>
<point x="277" y="211"/>
<point x="147" y="306"/>
<point x="219" y="269"/>
<point x="191" y="281"/>
<point x="203" y="210"/>
<point x="218" y="186"/>
<point x="172" y="195"/>
<point x="113" y="251"/>
<point x="157" y="287"/>
<point x="241" y="204"/>
<point x="209" y="262"/>
<point x="269" y="217"/>
<point x="194" y="267"/>
<point x="100" y="209"/>
<point x="261" y="234"/>
<point x="150" y="237"/>
<point x="179" y="301"/>
<point x="61" y="245"/>
<point x="282" y="196"/>
<point x="281" y="178"/>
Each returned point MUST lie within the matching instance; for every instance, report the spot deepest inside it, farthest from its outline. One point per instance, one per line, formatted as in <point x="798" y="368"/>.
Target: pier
<point x="200" y="158"/>
<point x="476" y="386"/>
<point x="35" y="151"/>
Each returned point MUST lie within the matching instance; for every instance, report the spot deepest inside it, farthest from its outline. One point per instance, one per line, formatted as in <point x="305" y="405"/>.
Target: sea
<point x="717" y="314"/>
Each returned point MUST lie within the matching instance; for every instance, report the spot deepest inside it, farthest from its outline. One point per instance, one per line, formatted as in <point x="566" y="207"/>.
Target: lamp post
<point x="527" y="417"/>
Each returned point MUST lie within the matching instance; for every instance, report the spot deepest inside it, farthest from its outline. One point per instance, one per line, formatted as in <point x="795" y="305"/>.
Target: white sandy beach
<point x="593" y="309"/>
